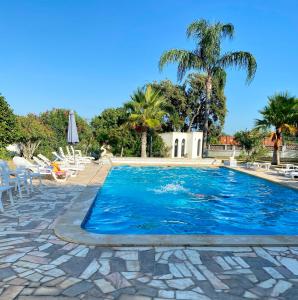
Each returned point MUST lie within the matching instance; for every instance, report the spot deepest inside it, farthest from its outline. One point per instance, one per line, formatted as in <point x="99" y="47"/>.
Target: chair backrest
<point x="39" y="162"/>
<point x="44" y="159"/>
<point x="72" y="150"/>
<point x="57" y="156"/>
<point x="4" y="172"/>
<point x="68" y="151"/>
<point x="61" y="152"/>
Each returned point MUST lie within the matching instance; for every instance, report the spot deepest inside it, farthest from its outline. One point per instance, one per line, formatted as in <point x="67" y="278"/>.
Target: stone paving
<point x="35" y="264"/>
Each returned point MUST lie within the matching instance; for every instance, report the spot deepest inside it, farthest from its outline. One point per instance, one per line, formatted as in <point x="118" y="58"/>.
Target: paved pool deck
<point x="36" y="264"/>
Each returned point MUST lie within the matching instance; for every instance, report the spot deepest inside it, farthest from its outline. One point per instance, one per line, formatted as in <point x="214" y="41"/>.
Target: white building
<point x="184" y="144"/>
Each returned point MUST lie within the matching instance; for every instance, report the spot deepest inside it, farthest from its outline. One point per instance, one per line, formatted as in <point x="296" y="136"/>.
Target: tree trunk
<point x="193" y="119"/>
<point x="144" y="144"/>
<point x="276" y="154"/>
<point x="206" y="117"/>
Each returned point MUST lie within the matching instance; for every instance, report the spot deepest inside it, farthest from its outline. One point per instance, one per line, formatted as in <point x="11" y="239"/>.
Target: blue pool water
<point x="182" y="200"/>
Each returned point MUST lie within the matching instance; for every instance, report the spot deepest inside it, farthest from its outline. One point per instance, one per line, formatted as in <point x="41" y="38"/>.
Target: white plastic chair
<point x="17" y="180"/>
<point x="6" y="188"/>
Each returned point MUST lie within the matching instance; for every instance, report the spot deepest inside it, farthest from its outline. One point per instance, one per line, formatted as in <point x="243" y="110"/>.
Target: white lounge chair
<point x="34" y="171"/>
<point x="68" y="164"/>
<point x="43" y="160"/>
<point x="79" y="154"/>
<point x="74" y="157"/>
<point x="39" y="162"/>
<point x="289" y="168"/>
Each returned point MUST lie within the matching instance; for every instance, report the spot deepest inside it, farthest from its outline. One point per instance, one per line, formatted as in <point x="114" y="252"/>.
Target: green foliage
<point x="7" y="125"/>
<point x="281" y="113"/>
<point x="177" y="104"/>
<point x="110" y="128"/>
<point x="146" y="110"/>
<point x="252" y="143"/>
<point x="57" y="120"/>
<point x="207" y="55"/>
<point x="198" y="99"/>
<point x="208" y="60"/>
<point x="5" y="154"/>
<point x="31" y="132"/>
<point x="159" y="149"/>
<point x="187" y="104"/>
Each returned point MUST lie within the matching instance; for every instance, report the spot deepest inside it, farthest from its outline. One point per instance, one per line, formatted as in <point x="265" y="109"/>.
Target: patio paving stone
<point x="36" y="265"/>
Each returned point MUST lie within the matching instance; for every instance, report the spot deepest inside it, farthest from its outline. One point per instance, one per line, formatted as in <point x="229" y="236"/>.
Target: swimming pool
<point x="185" y="200"/>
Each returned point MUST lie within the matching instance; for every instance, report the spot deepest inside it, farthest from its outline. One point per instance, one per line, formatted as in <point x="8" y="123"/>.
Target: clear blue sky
<point x="90" y="55"/>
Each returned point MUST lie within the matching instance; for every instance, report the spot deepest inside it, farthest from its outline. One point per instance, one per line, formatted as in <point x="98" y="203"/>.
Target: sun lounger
<point x="34" y="171"/>
<point x="43" y="160"/>
<point x="67" y="163"/>
<point x="79" y="153"/>
<point x="289" y="168"/>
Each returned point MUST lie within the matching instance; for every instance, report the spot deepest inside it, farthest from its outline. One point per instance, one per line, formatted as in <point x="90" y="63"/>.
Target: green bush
<point x="7" y="124"/>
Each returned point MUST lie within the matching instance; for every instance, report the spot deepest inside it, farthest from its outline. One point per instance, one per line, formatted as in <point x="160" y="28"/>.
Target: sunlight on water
<point x="185" y="200"/>
<point x="170" y="188"/>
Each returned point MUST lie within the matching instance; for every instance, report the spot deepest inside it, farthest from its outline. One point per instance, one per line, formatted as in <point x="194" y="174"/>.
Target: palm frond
<point x="197" y="29"/>
<point x="227" y="30"/>
<point x="186" y="60"/>
<point x="242" y="60"/>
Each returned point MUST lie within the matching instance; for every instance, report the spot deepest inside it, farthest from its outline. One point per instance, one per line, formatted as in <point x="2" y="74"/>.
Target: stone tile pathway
<point x="35" y="264"/>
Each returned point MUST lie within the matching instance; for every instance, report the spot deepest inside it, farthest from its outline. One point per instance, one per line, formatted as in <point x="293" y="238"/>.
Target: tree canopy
<point x="207" y="59"/>
<point x="31" y="133"/>
<point x="282" y="114"/>
<point x="8" y="130"/>
<point x="146" y="110"/>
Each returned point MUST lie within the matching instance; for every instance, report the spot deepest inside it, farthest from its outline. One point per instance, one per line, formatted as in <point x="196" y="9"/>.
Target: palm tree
<point x="207" y="58"/>
<point x="146" y="111"/>
<point x="281" y="113"/>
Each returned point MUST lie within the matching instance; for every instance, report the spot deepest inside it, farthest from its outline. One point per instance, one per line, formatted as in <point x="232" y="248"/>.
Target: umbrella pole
<point x="74" y="155"/>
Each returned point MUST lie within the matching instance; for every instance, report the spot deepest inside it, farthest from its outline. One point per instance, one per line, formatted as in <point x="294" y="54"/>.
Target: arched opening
<point x="199" y="148"/>
<point x="183" y="148"/>
<point x="176" y="148"/>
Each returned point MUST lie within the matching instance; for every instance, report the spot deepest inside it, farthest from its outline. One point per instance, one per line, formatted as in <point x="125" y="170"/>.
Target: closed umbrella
<point x="72" y="132"/>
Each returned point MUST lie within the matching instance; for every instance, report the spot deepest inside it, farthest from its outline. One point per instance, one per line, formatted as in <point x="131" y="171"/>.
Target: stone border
<point x="68" y="228"/>
<point x="284" y="181"/>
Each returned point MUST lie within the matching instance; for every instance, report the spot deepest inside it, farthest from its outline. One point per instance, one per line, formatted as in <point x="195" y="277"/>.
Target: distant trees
<point x="207" y="58"/>
<point x="252" y="143"/>
<point x="8" y="130"/>
<point x="282" y="114"/>
<point x="57" y="120"/>
<point x="110" y="128"/>
<point x="31" y="133"/>
<point x="187" y="104"/>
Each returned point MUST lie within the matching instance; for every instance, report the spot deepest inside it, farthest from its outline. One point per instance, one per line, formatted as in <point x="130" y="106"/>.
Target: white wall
<point x="191" y="142"/>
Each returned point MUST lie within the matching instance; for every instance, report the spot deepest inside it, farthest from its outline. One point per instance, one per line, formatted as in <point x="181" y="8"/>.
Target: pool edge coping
<point x="68" y="227"/>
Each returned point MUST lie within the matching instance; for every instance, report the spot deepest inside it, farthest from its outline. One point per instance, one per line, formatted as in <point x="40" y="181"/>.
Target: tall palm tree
<point x="281" y="113"/>
<point x="207" y="58"/>
<point x="146" y="111"/>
